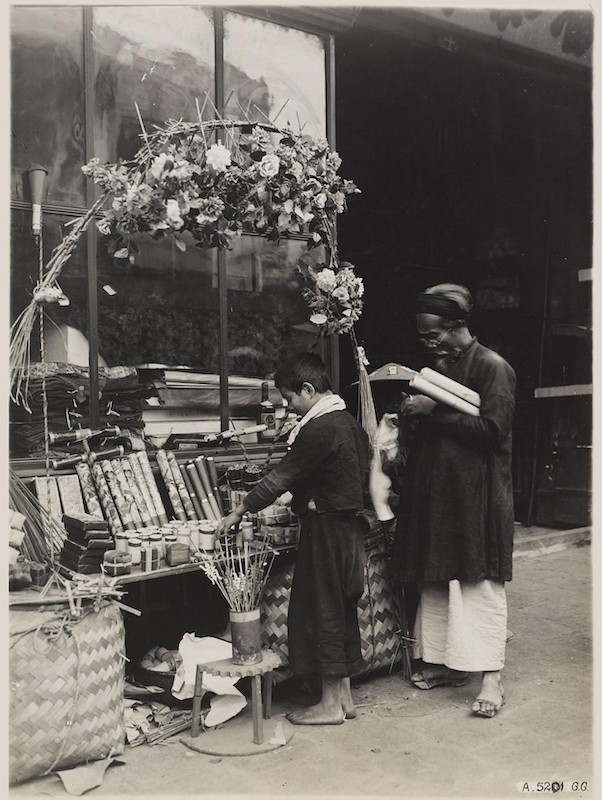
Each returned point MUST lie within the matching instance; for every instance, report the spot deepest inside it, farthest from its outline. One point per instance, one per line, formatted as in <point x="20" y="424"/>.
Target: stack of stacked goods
<point x="240" y="479"/>
<point x="67" y="392"/>
<point x="278" y="525"/>
<point x="87" y="541"/>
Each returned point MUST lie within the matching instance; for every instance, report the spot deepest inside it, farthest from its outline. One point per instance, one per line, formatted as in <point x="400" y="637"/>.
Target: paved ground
<point x="410" y="744"/>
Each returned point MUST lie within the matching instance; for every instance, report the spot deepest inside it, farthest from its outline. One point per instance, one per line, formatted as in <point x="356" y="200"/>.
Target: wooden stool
<point x="226" y="668"/>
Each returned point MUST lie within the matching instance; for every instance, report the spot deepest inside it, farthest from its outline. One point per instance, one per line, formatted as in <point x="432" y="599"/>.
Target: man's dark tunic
<point x="456" y="516"/>
<point x="328" y="463"/>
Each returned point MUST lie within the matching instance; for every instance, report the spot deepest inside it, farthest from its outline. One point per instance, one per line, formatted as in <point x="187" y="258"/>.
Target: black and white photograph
<point x="299" y="440"/>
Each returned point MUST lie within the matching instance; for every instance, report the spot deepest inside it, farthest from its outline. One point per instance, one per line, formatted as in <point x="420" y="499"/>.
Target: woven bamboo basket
<point x="66" y="688"/>
<point x="378" y="615"/>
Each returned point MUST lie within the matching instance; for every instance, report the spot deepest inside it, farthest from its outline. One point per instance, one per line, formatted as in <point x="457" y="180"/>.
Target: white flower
<point x="326" y="280"/>
<point x="218" y="157"/>
<point x="297" y="170"/>
<point x="359" y="287"/>
<point x="269" y="165"/>
<point x="320" y="200"/>
<point x="158" y="165"/>
<point x="318" y="319"/>
<point x="173" y="214"/>
<point x="341" y="293"/>
<point x="104" y="226"/>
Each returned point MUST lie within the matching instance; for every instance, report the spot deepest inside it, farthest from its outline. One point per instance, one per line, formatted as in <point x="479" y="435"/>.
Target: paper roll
<point x="126" y="493"/>
<point x="144" y="511"/>
<point x="181" y="486"/>
<point x="191" y="491"/>
<point x="204" y="476"/>
<point x="212" y="469"/>
<point x="199" y="490"/>
<point x="170" y="485"/>
<point x="152" y="485"/>
<point x="451" y="386"/>
<point x="423" y="386"/>
<point x="143" y="488"/>
<point x="89" y="491"/>
<point x="118" y="499"/>
<point x="107" y="503"/>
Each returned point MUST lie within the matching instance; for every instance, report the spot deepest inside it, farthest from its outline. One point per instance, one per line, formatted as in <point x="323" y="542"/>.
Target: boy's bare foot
<point x="317" y="715"/>
<point x="347" y="699"/>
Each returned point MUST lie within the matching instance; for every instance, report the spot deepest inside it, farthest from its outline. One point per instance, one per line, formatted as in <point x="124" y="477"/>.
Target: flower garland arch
<point x="215" y="179"/>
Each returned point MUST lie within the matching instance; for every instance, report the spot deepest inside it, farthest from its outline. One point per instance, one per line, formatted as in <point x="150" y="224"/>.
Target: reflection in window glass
<point x="160" y="57"/>
<point x="47" y="112"/>
<point x="268" y="318"/>
<point x="268" y="68"/>
<point x="164" y="309"/>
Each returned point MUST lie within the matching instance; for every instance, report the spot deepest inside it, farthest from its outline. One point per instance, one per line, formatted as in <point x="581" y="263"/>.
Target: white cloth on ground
<point x="331" y="402"/>
<point x="228" y="701"/>
<point x="462" y="625"/>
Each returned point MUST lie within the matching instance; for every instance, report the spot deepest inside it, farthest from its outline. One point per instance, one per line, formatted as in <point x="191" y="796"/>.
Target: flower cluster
<point x="264" y="181"/>
<point x="333" y="293"/>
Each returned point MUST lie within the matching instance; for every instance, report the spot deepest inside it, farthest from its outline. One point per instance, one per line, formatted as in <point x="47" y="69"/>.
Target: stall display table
<point x="226" y="668"/>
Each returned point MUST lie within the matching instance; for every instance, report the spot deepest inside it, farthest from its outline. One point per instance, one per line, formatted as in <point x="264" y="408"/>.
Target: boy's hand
<point x="233" y="518"/>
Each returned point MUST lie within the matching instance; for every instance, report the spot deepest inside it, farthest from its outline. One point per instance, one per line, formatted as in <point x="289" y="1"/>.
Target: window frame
<point x="329" y="349"/>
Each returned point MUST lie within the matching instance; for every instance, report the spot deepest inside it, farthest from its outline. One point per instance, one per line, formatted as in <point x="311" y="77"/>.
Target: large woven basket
<point x="66" y="688"/>
<point x="378" y="615"/>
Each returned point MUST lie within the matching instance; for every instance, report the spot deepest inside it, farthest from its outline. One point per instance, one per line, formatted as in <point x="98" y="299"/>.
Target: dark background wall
<point x="478" y="170"/>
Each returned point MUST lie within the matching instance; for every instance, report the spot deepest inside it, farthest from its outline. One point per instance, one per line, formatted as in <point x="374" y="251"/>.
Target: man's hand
<point x="417" y="405"/>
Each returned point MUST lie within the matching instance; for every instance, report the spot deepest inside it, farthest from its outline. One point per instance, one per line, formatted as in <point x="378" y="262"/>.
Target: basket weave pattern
<point x="377" y="614"/>
<point x="66" y="688"/>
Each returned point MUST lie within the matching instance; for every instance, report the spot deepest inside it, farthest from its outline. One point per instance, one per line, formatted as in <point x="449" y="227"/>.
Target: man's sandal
<point x="427" y="680"/>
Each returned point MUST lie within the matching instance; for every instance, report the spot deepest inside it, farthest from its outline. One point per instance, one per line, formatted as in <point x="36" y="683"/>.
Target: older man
<point x="456" y="522"/>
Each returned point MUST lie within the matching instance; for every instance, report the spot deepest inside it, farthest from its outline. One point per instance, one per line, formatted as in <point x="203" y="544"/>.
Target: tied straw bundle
<point x="21" y="330"/>
<point x="240" y="574"/>
<point x="44" y="537"/>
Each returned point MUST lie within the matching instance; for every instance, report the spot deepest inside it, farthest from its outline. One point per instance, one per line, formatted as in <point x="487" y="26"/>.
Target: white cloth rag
<point x="325" y="405"/>
<point x="228" y="701"/>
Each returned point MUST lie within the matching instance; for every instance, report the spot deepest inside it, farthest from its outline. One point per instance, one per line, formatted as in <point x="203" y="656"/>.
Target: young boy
<point x="326" y="470"/>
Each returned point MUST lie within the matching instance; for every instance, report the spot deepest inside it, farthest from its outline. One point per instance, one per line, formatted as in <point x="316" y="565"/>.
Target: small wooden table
<point x="226" y="668"/>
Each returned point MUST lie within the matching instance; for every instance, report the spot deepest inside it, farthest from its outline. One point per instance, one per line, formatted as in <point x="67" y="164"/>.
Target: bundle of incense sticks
<point x="445" y="390"/>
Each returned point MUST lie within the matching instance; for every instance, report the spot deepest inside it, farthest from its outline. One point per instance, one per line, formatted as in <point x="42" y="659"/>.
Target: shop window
<point x="270" y="69"/>
<point x="267" y="315"/>
<point x="47" y="117"/>
<point x="158" y="57"/>
<point x="162" y="308"/>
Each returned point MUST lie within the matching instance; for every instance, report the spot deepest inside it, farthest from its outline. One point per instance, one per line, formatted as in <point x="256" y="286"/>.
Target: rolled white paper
<point x="451" y="386"/>
<point x="442" y="396"/>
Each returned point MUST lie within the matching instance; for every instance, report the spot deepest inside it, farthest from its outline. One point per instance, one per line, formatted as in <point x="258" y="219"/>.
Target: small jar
<point x="246" y="528"/>
<point x="121" y="542"/>
<point x="135" y="550"/>
<point x="149" y="558"/>
<point x="156" y="540"/>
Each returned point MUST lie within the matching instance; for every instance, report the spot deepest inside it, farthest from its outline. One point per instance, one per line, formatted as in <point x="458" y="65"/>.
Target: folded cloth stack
<point x="67" y="388"/>
<point x="88" y="538"/>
